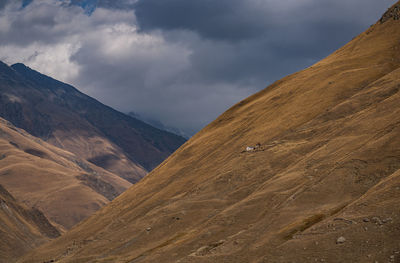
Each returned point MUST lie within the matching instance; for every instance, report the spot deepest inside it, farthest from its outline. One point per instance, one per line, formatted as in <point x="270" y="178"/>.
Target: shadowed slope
<point x="323" y="185"/>
<point x="21" y="229"/>
<point x="66" y="188"/>
<point x="61" y="115"/>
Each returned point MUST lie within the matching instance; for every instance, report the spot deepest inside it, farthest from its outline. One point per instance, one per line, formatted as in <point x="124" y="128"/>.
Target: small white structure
<point x="249" y="149"/>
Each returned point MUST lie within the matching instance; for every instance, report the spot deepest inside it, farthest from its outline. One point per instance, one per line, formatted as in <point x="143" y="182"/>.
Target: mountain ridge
<point x="63" y="186"/>
<point x="320" y="182"/>
<point x="69" y="119"/>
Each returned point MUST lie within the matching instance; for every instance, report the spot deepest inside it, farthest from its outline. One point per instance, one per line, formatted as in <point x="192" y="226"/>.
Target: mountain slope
<point x="66" y="188"/>
<point x="21" y="228"/>
<point x="69" y="119"/>
<point x="323" y="186"/>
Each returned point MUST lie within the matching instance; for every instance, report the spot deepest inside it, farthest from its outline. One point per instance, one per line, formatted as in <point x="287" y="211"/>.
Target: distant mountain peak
<point x="29" y="72"/>
<point x="40" y="80"/>
<point x="24" y="69"/>
<point x="20" y="65"/>
<point x="57" y="112"/>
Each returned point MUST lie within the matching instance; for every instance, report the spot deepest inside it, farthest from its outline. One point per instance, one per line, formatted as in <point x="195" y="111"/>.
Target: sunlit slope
<point x="64" y="187"/>
<point x="22" y="229"/>
<point x="323" y="186"/>
<point x="66" y="118"/>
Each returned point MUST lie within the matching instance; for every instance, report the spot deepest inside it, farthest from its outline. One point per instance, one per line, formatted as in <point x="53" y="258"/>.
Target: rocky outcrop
<point x="391" y="13"/>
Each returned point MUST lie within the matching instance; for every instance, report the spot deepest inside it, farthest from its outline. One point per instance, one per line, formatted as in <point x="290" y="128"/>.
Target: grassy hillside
<point x="323" y="186"/>
<point x="63" y="116"/>
<point x="66" y="188"/>
<point x="22" y="229"/>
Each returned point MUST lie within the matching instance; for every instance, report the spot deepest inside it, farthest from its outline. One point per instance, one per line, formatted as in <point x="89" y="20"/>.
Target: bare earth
<point x="324" y="186"/>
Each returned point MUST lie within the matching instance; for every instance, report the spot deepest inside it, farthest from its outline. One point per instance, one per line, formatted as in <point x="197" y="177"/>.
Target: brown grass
<point x="324" y="147"/>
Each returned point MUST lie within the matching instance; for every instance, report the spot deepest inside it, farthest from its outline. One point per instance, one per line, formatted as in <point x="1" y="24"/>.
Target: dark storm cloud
<point x="237" y="19"/>
<point x="260" y="40"/>
<point x="179" y="61"/>
<point x="211" y="19"/>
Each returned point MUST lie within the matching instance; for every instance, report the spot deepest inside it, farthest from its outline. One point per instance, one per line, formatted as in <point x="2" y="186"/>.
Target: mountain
<point x="21" y="228"/>
<point x="320" y="184"/>
<point x="63" y="186"/>
<point x="159" y="125"/>
<point x="61" y="115"/>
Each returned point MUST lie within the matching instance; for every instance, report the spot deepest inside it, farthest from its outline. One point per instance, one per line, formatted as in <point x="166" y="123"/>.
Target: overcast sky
<point x="182" y="62"/>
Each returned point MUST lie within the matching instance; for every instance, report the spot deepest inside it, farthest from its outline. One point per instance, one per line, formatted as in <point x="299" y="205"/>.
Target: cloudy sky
<point x="182" y="62"/>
